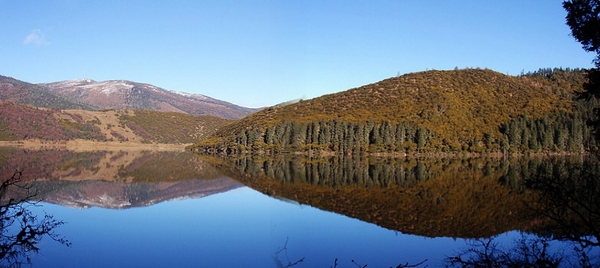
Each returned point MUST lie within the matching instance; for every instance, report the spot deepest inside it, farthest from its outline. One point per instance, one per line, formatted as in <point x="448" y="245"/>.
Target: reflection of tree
<point x="527" y="252"/>
<point x="456" y="197"/>
<point x="282" y="264"/>
<point x="20" y="229"/>
<point x="568" y="197"/>
<point x="279" y="263"/>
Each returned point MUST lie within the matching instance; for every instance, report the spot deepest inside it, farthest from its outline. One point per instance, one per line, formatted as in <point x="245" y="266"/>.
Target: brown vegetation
<point x="436" y="111"/>
<point x="23" y="122"/>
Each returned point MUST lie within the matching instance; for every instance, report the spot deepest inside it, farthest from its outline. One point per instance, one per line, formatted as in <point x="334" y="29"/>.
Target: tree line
<point x="339" y="171"/>
<point x="559" y="131"/>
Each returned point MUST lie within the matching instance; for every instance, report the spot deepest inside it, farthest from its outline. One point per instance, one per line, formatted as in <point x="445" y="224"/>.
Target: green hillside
<point x="461" y="110"/>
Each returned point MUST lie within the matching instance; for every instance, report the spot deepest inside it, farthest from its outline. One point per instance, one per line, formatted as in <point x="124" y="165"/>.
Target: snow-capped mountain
<point x="122" y="94"/>
<point x="22" y="92"/>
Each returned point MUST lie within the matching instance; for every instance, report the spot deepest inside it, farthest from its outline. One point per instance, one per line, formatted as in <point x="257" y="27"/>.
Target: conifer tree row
<point x="556" y="132"/>
<point x="405" y="172"/>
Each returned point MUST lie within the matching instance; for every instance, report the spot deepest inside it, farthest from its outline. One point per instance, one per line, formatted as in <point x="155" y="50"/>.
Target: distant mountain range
<point x="87" y="94"/>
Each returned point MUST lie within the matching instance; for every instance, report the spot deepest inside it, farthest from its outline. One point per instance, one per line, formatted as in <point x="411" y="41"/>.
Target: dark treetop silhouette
<point x="20" y="229"/>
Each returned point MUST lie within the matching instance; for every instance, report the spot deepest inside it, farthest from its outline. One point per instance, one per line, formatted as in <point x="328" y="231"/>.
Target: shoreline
<point x="87" y="145"/>
<point x="455" y="155"/>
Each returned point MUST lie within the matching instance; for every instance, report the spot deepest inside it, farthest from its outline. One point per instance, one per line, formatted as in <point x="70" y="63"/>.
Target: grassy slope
<point x="19" y="122"/>
<point x="171" y="127"/>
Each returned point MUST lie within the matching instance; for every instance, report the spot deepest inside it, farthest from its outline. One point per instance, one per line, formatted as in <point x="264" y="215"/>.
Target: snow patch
<point x="153" y="88"/>
<point x="74" y="83"/>
<point x="109" y="87"/>
<point x="188" y="95"/>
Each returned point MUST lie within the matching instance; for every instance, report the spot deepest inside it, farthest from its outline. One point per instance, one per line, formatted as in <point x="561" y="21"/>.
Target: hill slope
<point x="456" y="110"/>
<point x="120" y="94"/>
<point x="22" y="122"/>
<point x="25" y="93"/>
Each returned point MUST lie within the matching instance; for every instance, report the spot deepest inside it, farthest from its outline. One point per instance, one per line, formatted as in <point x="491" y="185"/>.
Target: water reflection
<point x="569" y="197"/>
<point x="282" y="259"/>
<point x="21" y="230"/>
<point x="461" y="198"/>
<point x="114" y="179"/>
<point x="526" y="251"/>
<point x="104" y="179"/>
<point x="555" y="198"/>
<point x="118" y="166"/>
<point x="478" y="200"/>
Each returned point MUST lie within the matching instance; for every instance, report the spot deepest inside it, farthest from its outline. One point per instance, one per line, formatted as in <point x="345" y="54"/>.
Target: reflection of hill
<point x="104" y="194"/>
<point x="113" y="179"/>
<point x="430" y="197"/>
<point x="138" y="166"/>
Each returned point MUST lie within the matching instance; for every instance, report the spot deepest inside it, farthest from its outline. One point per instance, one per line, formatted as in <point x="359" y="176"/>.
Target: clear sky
<point x="260" y="53"/>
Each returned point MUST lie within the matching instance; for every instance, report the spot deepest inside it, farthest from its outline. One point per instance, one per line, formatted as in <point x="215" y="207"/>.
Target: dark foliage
<point x="20" y="230"/>
<point x="569" y="198"/>
<point x="583" y="17"/>
<point x="527" y="252"/>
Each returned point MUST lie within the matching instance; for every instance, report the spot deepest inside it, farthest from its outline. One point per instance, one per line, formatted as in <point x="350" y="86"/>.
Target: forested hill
<point x="461" y="110"/>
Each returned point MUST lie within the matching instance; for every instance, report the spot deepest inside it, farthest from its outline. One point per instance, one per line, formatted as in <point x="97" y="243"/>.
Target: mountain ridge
<point x="18" y="91"/>
<point x="125" y="94"/>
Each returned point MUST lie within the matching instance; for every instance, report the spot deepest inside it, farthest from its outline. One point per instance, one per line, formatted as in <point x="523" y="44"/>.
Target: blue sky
<point x="260" y="53"/>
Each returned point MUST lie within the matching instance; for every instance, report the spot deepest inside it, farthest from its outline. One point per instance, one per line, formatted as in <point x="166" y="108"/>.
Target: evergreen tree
<point x="421" y="138"/>
<point x="583" y="17"/>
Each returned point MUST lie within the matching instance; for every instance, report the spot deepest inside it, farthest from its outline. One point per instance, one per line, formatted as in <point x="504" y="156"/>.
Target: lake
<point x="177" y="209"/>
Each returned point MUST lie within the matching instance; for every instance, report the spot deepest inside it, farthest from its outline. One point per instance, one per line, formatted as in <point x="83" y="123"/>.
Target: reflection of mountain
<point x="114" y="179"/>
<point x="84" y="194"/>
<point x="466" y="198"/>
<point x="122" y="166"/>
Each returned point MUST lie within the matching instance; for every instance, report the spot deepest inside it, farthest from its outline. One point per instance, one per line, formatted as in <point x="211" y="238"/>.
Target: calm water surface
<point x="238" y="228"/>
<point x="165" y="209"/>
